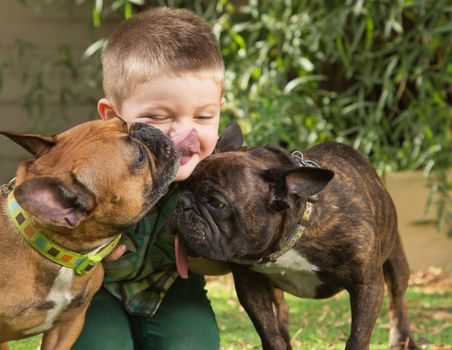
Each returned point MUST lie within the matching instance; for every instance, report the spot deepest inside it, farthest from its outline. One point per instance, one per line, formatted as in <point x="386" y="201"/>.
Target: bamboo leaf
<point x="94" y="47"/>
<point x="291" y="85"/>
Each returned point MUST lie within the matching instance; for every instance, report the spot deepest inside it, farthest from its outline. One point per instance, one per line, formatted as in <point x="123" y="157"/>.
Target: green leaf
<point x="300" y="81"/>
<point x="96" y="13"/>
<point x="341" y="49"/>
<point x="369" y="32"/>
<point x="128" y="10"/>
<point x="306" y="64"/>
<point x="94" y="47"/>
<point x="239" y="40"/>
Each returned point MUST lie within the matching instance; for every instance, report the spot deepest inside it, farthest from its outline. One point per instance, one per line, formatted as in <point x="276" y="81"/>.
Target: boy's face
<point x="186" y="108"/>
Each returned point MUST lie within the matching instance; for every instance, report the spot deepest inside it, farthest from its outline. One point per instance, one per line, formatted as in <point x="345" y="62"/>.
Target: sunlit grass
<point x="322" y="324"/>
<point x="325" y="324"/>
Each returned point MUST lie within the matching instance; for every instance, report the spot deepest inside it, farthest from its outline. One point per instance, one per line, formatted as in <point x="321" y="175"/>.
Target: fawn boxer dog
<point x="311" y="225"/>
<point x="65" y="212"/>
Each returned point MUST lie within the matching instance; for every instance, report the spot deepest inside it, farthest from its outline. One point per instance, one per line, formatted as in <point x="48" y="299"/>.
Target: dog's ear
<point x="299" y="181"/>
<point x="62" y="202"/>
<point x="230" y="140"/>
<point x="306" y="181"/>
<point x="37" y="145"/>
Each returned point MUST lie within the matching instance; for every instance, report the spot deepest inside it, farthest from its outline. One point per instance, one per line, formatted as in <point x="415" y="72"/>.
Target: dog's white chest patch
<point x="60" y="295"/>
<point x="292" y="273"/>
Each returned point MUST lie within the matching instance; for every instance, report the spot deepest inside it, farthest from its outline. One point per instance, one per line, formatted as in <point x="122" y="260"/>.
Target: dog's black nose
<point x="184" y="202"/>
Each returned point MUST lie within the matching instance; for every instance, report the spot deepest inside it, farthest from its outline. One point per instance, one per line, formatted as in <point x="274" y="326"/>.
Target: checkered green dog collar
<point x="81" y="263"/>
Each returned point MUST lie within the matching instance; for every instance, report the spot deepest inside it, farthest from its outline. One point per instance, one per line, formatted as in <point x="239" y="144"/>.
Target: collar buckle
<point x="6" y="189"/>
<point x="87" y="264"/>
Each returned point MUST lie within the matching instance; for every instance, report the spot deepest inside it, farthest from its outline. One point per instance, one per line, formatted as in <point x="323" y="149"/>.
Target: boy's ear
<point x="106" y="109"/>
<point x="230" y="140"/>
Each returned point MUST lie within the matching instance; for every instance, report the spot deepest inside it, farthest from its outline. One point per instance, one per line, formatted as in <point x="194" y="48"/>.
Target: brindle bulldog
<point x="311" y="225"/>
<point x="65" y="212"/>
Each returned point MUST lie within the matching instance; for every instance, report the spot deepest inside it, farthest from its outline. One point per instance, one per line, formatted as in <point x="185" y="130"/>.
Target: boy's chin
<point x="187" y="168"/>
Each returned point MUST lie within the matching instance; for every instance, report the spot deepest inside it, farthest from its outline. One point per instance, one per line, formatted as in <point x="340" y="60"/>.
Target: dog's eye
<point x="215" y="202"/>
<point x="141" y="155"/>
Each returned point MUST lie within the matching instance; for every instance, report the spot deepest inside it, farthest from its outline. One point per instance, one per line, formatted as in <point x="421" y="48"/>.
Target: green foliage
<point x="373" y="74"/>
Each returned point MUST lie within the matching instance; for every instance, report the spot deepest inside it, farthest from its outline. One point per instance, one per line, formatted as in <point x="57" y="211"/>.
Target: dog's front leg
<point x="65" y="334"/>
<point x="283" y="313"/>
<point x="365" y="301"/>
<point x="257" y="297"/>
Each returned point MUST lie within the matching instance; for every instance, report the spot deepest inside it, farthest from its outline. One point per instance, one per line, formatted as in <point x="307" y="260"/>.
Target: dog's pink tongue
<point x="181" y="258"/>
<point x="187" y="141"/>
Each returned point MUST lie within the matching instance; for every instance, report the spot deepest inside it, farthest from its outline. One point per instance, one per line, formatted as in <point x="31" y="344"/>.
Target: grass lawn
<point x="324" y="324"/>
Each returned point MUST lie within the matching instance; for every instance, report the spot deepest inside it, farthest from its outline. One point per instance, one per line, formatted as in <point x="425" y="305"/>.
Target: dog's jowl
<point x="64" y="212"/>
<point x="311" y="224"/>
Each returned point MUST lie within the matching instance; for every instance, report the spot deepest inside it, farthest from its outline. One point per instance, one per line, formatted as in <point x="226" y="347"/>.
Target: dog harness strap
<point x="300" y="227"/>
<point x="81" y="263"/>
<point x="294" y="236"/>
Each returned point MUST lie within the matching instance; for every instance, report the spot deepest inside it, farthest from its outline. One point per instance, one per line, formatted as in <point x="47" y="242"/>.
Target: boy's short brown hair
<point x="160" y="41"/>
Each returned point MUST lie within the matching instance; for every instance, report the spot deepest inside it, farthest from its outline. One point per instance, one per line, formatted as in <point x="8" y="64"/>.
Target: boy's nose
<point x="180" y="125"/>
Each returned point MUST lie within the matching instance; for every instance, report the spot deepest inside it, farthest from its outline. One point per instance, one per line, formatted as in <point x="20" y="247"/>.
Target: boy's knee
<point x="179" y="339"/>
<point x="104" y="338"/>
<point x="106" y="326"/>
<point x="184" y="321"/>
<point x="200" y="342"/>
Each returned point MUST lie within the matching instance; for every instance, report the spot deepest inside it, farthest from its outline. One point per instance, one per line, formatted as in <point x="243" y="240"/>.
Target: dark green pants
<point x="184" y="320"/>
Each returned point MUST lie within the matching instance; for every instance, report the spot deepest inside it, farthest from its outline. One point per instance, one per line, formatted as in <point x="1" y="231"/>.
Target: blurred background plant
<point x="373" y="74"/>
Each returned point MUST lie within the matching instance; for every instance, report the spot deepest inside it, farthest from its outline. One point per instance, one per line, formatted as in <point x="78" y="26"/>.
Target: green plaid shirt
<point x="143" y="275"/>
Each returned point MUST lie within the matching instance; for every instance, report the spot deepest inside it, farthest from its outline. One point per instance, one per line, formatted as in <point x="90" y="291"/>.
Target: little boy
<point x="161" y="67"/>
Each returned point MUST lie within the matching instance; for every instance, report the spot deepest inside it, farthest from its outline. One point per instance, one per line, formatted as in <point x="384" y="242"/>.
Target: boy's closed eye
<point x="156" y="119"/>
<point x="204" y="117"/>
<point x="153" y="119"/>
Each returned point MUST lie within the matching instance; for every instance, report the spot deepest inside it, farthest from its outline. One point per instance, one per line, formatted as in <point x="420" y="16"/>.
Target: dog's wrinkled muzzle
<point x="164" y="153"/>
<point x="198" y="229"/>
<point x="156" y="141"/>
